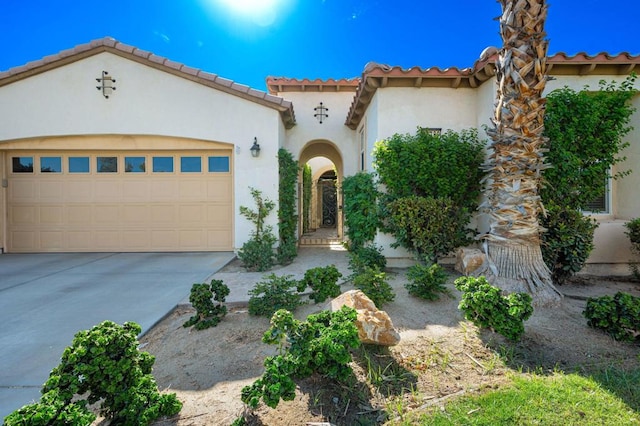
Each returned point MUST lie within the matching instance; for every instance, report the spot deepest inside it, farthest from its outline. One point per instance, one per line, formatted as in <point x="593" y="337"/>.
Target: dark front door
<point x="329" y="204"/>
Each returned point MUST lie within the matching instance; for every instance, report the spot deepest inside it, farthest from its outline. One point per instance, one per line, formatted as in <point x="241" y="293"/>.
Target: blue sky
<point x="303" y="38"/>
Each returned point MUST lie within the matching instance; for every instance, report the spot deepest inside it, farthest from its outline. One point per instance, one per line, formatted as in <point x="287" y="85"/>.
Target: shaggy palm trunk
<point x="516" y="157"/>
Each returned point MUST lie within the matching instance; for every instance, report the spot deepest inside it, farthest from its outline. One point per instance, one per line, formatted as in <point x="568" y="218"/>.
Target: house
<point x="106" y="147"/>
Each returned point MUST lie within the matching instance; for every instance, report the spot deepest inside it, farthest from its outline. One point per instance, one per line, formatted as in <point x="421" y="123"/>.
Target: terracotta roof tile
<point x="377" y="75"/>
<point x="109" y="44"/>
<point x="284" y="84"/>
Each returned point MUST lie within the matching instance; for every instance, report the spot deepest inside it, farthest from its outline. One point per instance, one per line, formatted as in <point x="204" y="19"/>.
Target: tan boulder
<point x="469" y="260"/>
<point x="374" y="326"/>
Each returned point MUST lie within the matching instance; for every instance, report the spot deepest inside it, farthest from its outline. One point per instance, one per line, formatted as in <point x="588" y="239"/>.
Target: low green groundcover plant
<point x="373" y="283"/>
<point x="321" y="344"/>
<point x="103" y="365"/>
<point x="427" y="282"/>
<point x="485" y="306"/>
<point x="323" y="281"/>
<point x="619" y="315"/>
<point x="202" y="297"/>
<point x="276" y="292"/>
<point x="538" y="400"/>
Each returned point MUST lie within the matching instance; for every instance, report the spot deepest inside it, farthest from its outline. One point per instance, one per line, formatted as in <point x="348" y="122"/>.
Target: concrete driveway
<point x="46" y="298"/>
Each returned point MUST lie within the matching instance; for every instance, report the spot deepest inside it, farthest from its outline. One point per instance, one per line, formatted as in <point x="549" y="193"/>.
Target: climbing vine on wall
<point x="306" y="196"/>
<point x="287" y="217"/>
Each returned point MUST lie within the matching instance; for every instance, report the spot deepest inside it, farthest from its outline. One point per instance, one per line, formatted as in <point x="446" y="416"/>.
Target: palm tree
<point x="516" y="155"/>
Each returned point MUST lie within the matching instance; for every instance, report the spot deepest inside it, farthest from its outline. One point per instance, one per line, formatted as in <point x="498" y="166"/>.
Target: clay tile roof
<point x="108" y="44"/>
<point x="284" y="84"/>
<point x="377" y="75"/>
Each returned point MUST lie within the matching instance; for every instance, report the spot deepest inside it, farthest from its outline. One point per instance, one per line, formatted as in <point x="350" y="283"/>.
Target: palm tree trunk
<point x="516" y="155"/>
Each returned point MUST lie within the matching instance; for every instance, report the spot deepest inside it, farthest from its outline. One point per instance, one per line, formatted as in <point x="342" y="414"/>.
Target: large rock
<point x="469" y="260"/>
<point x="374" y="326"/>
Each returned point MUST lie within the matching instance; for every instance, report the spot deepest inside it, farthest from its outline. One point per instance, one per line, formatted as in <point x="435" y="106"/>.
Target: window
<point x="22" y="164"/>
<point x="163" y="164"/>
<point x="190" y="164"/>
<point x="432" y="131"/>
<point x="363" y="148"/>
<point x="78" y="164"/>
<point x="218" y="164"/>
<point x="50" y="165"/>
<point x="107" y="164"/>
<point x="135" y="164"/>
<point x="600" y="204"/>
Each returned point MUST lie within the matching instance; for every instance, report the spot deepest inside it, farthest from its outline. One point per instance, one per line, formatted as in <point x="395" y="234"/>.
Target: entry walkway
<point x="46" y="298"/>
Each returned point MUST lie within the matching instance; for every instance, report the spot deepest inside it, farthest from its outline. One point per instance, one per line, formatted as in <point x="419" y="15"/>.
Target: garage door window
<point x="134" y="164"/>
<point x="78" y="164"/>
<point x="22" y="164"/>
<point x="190" y="164"/>
<point x="107" y="164"/>
<point x="218" y="164"/>
<point x="163" y="164"/>
<point x="50" y="165"/>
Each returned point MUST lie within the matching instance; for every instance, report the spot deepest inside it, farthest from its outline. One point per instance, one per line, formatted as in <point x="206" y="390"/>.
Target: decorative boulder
<point x="469" y="260"/>
<point x="374" y="326"/>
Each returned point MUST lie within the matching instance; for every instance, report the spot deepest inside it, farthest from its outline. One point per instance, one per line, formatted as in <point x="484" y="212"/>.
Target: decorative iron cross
<point x="321" y="112"/>
<point x="106" y="86"/>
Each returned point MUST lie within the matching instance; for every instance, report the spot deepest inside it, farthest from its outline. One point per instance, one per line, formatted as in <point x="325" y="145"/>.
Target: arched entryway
<point x="321" y="221"/>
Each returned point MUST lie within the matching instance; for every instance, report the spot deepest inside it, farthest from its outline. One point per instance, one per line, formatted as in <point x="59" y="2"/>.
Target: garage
<point x="120" y="200"/>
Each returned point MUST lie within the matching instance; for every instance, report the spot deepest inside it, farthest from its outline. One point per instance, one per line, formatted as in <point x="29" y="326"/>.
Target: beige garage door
<point x="120" y="201"/>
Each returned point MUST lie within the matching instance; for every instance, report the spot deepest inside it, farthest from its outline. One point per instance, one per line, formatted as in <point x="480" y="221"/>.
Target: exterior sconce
<point x="106" y="84"/>
<point x="255" y="148"/>
<point x="321" y="112"/>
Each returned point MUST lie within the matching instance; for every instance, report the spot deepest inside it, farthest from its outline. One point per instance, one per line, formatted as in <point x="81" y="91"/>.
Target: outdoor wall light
<point x="255" y="148"/>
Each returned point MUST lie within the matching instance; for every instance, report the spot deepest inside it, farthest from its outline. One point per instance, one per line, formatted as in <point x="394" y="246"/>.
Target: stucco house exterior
<point x="106" y="147"/>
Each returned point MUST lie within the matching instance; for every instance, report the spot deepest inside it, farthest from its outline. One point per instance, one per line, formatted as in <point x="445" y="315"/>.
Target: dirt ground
<point x="440" y="356"/>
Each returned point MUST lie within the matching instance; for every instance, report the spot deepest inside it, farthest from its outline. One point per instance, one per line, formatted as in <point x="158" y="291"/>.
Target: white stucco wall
<point x="332" y="129"/>
<point x="65" y="101"/>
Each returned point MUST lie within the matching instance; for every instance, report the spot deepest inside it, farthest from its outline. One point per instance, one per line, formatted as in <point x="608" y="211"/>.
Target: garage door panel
<point x="164" y="239"/>
<point x="79" y="240"/>
<point x="164" y="189"/>
<point x="122" y="211"/>
<point x="136" y="240"/>
<point x="106" y="215"/>
<point x="78" y="215"/>
<point x="78" y="191"/>
<point x="107" y="190"/>
<point x="51" y="190"/>
<point x="136" y="190"/>
<point x="135" y="215"/>
<point x="22" y="190"/>
<point x="52" y="240"/>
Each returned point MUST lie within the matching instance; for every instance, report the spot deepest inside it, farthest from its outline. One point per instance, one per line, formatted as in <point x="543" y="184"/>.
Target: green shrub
<point x="365" y="257"/>
<point x="306" y="197"/>
<point x="321" y="344"/>
<point x="568" y="241"/>
<point x="374" y="285"/>
<point x="428" y="227"/>
<point x="277" y="292"/>
<point x="619" y="315"/>
<point x="485" y="306"/>
<point x="51" y="410"/>
<point x="257" y="253"/>
<point x="447" y="165"/>
<point x="202" y="297"/>
<point x="633" y="232"/>
<point x="427" y="282"/>
<point x="360" y="197"/>
<point x="103" y="365"/>
<point x="323" y="281"/>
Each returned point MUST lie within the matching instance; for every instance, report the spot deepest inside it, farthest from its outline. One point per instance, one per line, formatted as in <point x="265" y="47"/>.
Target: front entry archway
<point x="321" y="220"/>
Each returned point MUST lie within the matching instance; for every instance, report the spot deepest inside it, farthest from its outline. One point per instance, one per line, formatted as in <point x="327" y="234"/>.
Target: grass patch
<point x="540" y="400"/>
<point x="625" y="384"/>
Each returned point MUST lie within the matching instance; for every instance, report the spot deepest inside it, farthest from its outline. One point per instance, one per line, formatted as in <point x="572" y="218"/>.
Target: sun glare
<point x="262" y="12"/>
